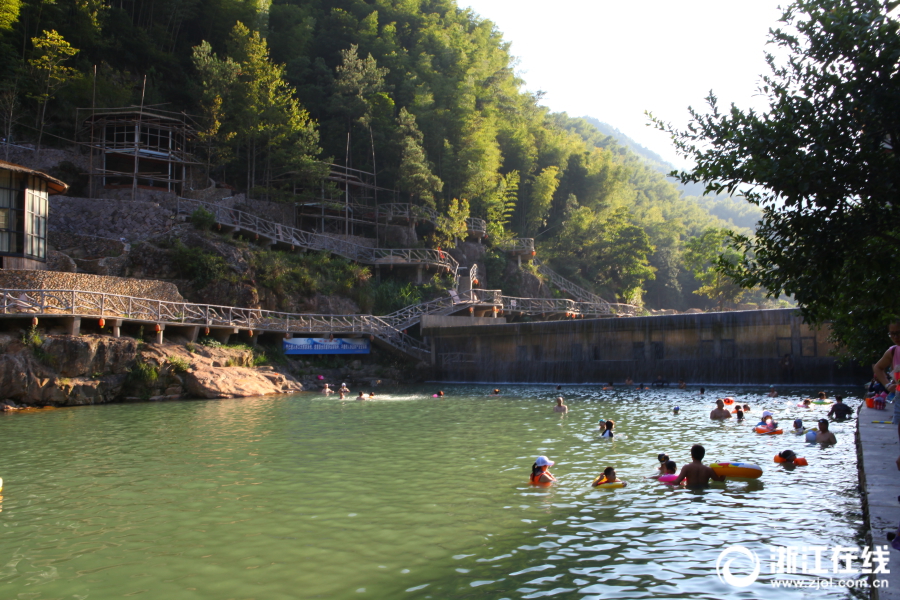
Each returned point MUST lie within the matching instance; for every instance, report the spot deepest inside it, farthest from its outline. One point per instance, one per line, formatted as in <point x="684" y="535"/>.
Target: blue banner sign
<point x="326" y="346"/>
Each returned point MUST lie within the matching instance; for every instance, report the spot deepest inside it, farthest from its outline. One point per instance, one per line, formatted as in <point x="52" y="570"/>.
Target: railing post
<point x="73" y="301"/>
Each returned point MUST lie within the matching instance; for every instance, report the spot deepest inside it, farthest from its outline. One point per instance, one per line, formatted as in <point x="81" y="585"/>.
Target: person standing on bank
<point x="890" y="363"/>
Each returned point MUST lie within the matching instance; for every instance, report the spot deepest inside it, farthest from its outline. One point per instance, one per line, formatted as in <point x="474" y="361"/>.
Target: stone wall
<point x="79" y="245"/>
<point x="51" y="280"/>
<point x="110" y="218"/>
<point x="762" y="347"/>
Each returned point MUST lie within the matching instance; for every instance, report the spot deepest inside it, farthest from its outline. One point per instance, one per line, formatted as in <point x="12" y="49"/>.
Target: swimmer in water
<point x="560" y="407"/>
<point x="695" y="473"/>
<point x="824" y="436"/>
<point x="676" y="410"/>
<point x="441" y="394"/>
<point x="772" y="392"/>
<point x="668" y="468"/>
<point x="798" y="427"/>
<point x="768" y="421"/>
<point x="681" y="384"/>
<point x="739" y="414"/>
<point x="702" y="391"/>
<point x="609" y="476"/>
<point x="371" y="394"/>
<point x="361" y="396"/>
<point x="608" y="431"/>
<point x="746" y="408"/>
<point x="663" y="459"/>
<point x="539" y="472"/>
<point x="327" y="390"/>
<point x="344" y="388"/>
<point x="496" y="392"/>
<point x="342" y="395"/>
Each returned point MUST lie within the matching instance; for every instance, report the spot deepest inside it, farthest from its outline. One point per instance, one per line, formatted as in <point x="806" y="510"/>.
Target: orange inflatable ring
<point x="800" y="462"/>
<point x="764" y="431"/>
<point x="728" y="401"/>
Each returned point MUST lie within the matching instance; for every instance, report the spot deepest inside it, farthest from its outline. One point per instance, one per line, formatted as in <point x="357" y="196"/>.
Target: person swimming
<point x="608" y="432"/>
<point x="539" y="471"/>
<point x="676" y="410"/>
<point x="495" y="392"/>
<point x="662" y="458"/>
<point x="739" y="414"/>
<point x="609" y="476"/>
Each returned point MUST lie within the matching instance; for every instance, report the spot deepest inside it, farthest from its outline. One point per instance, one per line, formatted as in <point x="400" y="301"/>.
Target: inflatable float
<point x="728" y="401"/>
<point x="670" y="478"/>
<point x="764" y="431"/>
<point x="800" y="462"/>
<point x="737" y="469"/>
<point x="609" y="485"/>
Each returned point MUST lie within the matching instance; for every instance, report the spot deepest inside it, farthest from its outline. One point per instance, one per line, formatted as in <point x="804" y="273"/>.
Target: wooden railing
<point x="517" y="245"/>
<point x="297" y="238"/>
<point x="82" y="303"/>
<point x="410" y="212"/>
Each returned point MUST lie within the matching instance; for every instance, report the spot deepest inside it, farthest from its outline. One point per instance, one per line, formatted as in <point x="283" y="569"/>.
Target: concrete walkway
<point x="879" y="479"/>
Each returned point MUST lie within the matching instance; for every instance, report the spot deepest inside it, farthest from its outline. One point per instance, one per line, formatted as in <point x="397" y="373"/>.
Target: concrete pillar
<point x="221" y="334"/>
<point x="73" y="325"/>
<point x="419" y="274"/>
<point x="159" y="334"/>
<point x="116" y="325"/>
<point x="192" y="333"/>
<point x="519" y="260"/>
<point x="377" y="273"/>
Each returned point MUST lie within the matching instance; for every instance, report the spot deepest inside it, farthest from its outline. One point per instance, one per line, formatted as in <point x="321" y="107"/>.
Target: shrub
<point x="179" y="365"/>
<point x="201" y="268"/>
<point x="203" y="219"/>
<point x="143" y="372"/>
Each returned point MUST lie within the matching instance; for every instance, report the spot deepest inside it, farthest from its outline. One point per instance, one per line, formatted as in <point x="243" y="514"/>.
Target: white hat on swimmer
<point x="766" y="413"/>
<point x="543" y="461"/>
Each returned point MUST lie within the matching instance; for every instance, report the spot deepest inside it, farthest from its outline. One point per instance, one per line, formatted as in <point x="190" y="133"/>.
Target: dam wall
<point x="760" y="347"/>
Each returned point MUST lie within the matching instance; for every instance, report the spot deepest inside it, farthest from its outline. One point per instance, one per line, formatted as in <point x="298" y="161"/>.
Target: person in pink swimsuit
<point x="890" y="363"/>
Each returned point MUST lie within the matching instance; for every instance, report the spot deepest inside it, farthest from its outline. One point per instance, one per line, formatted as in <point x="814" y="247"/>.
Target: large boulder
<point x="85" y="355"/>
<point x="236" y="382"/>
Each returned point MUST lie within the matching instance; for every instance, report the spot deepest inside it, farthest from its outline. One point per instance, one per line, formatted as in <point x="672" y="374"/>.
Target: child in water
<point x="663" y="459"/>
<point x="539" y="473"/>
<point x="767" y="421"/>
<point x="668" y="474"/>
<point x="608" y="432"/>
<point x="609" y="476"/>
<point x="798" y="427"/>
<point x="740" y="414"/>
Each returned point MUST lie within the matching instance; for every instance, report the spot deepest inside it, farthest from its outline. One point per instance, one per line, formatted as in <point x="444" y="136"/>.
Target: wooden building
<point x="138" y="149"/>
<point x="23" y="215"/>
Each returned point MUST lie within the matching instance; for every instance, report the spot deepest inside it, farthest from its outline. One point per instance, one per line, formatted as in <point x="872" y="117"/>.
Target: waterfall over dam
<point x="760" y="347"/>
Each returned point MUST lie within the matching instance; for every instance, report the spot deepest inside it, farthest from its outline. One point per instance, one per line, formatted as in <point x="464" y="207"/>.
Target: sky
<point x="613" y="60"/>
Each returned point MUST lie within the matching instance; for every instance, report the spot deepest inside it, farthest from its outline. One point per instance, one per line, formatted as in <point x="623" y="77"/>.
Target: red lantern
<point x="250" y="333"/>
<point x="404" y="332"/>
<point x="101" y="322"/>
<point x="533" y="252"/>
<point x="471" y="309"/>
<point x="157" y="328"/>
<point x="34" y="321"/>
<point x="474" y="282"/>
<point x="371" y="338"/>
<point x="206" y="331"/>
<point x="219" y="226"/>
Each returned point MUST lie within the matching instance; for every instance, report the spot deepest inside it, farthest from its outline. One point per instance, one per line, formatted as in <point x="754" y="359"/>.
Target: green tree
<point x="416" y="177"/>
<point x="452" y="225"/>
<point x="49" y="74"/>
<point x="701" y="256"/>
<point x="822" y="161"/>
<point x="542" y="190"/>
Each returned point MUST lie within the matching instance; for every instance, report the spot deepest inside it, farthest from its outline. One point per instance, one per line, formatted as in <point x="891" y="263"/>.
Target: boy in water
<point x="609" y="476"/>
<point x="695" y="472"/>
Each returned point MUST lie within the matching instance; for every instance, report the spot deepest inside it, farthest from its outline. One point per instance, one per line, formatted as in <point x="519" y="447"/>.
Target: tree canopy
<point x="822" y="162"/>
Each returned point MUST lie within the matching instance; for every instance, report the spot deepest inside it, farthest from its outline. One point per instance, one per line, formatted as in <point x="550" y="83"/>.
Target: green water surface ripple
<point x="405" y="496"/>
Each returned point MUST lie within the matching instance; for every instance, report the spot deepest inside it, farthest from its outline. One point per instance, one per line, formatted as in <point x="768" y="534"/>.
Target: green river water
<point x="405" y="496"/>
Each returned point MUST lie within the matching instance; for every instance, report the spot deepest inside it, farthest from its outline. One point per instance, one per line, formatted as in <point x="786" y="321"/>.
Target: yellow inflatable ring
<point x="609" y="485"/>
<point x="737" y="469"/>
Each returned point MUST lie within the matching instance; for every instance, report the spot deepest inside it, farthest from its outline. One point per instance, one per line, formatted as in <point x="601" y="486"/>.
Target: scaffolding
<point x="135" y="148"/>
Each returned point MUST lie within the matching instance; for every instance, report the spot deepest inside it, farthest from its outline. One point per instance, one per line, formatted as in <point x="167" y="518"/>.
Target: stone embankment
<point x="56" y="280"/>
<point x="63" y="370"/>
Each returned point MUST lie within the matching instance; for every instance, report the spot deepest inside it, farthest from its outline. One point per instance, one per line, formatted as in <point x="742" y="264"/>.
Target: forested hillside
<point x="420" y="91"/>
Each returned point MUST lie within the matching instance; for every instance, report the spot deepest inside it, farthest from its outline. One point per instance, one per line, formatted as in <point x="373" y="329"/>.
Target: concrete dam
<point x="760" y="347"/>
